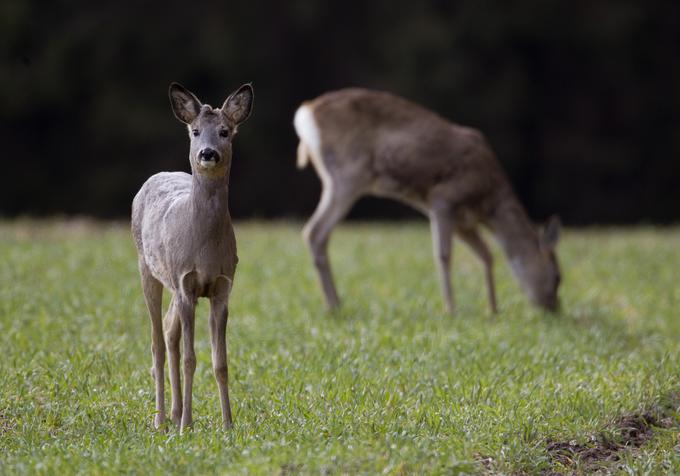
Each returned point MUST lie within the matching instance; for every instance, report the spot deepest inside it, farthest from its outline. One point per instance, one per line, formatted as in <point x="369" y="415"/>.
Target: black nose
<point x="209" y="154"/>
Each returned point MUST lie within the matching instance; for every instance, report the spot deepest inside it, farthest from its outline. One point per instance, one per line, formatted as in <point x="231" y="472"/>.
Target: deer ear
<point x="238" y="105"/>
<point x="550" y="234"/>
<point x="184" y="104"/>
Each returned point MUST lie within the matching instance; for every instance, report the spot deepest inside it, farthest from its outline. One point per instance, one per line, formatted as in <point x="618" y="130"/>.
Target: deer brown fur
<point x="364" y="142"/>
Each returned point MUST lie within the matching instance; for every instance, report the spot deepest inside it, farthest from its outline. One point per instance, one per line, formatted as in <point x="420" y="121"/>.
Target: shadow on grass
<point x="597" y="320"/>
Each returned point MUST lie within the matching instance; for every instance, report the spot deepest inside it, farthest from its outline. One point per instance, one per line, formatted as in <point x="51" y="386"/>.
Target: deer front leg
<point x="186" y="311"/>
<point x="476" y="243"/>
<point x="153" y="293"/>
<point x="219" y="313"/>
<point x="218" y="329"/>
<point x="441" y="224"/>
<point x="173" y="333"/>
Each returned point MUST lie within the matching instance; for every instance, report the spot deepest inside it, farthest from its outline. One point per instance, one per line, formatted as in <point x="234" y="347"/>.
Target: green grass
<point x="391" y="384"/>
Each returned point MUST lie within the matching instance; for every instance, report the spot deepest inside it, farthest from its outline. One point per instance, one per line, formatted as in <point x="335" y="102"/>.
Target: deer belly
<point x="388" y="187"/>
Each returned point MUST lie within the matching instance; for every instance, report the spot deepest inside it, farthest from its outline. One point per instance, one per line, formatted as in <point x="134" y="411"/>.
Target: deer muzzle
<point x="208" y="157"/>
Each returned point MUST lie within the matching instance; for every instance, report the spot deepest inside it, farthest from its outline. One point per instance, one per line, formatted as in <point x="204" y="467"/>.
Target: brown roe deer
<point x="185" y="242"/>
<point x="364" y="142"/>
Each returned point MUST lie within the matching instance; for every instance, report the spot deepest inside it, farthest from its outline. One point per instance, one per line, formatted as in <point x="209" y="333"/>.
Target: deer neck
<point x="514" y="231"/>
<point x="209" y="200"/>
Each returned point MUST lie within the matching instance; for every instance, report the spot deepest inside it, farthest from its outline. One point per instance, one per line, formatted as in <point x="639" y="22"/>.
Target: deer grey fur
<point x="365" y="142"/>
<point x="185" y="243"/>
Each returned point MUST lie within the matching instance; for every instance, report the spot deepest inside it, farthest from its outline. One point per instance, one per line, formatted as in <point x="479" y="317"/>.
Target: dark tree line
<point x="580" y="99"/>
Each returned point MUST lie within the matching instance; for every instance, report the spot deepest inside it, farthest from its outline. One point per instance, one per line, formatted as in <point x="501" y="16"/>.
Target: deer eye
<point x="195" y="133"/>
<point x="224" y="133"/>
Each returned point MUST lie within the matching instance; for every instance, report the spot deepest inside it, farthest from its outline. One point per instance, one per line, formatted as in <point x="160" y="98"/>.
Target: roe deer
<point x="185" y="242"/>
<point x="365" y="142"/>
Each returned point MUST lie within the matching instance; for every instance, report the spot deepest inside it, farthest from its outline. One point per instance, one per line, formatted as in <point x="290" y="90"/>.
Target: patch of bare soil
<point x="601" y="452"/>
<point x="627" y="433"/>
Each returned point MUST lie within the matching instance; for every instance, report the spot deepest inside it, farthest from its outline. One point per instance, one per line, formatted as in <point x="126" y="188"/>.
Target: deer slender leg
<point x="334" y="205"/>
<point x="153" y="295"/>
<point x="173" y="332"/>
<point x="219" y="314"/>
<point x="479" y="247"/>
<point x="186" y="311"/>
<point x="441" y="223"/>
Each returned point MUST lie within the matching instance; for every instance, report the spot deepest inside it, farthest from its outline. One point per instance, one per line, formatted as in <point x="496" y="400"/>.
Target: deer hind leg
<point x="441" y="224"/>
<point x="153" y="295"/>
<point x="472" y="238"/>
<point x="173" y="333"/>
<point x="335" y="202"/>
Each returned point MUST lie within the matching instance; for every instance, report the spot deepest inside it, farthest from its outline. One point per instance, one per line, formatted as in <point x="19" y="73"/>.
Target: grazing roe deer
<point x="364" y="142"/>
<point x="185" y="242"/>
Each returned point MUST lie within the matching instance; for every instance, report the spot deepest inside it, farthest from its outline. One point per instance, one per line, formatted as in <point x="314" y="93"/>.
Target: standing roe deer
<point x="365" y="142"/>
<point x="185" y="241"/>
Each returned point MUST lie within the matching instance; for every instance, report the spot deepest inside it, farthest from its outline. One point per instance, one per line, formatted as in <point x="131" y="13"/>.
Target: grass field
<point x="391" y="384"/>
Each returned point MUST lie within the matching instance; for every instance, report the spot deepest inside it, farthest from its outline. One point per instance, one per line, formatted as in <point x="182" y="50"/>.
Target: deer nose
<point x="209" y="154"/>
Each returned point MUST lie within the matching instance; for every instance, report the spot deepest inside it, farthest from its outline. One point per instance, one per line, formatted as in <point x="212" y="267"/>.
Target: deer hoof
<point x="158" y="421"/>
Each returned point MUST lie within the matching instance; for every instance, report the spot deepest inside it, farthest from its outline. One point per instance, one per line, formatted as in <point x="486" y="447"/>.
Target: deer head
<point x="211" y="130"/>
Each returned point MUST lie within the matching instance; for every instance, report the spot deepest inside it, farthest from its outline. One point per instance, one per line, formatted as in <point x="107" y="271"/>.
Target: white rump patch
<point x="307" y="130"/>
<point x="309" y="133"/>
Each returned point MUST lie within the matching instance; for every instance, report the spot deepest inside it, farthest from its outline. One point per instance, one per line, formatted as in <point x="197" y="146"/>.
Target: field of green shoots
<point x="391" y="384"/>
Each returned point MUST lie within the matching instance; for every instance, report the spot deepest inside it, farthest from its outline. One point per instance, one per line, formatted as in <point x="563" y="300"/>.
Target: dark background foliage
<point x="580" y="99"/>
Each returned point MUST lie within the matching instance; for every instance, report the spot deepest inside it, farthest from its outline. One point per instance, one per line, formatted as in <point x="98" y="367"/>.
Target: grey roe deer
<point x="185" y="242"/>
<point x="365" y="142"/>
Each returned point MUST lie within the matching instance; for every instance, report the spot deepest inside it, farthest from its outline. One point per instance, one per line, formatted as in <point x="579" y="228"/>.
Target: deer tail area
<point x="308" y="132"/>
<point x="302" y="155"/>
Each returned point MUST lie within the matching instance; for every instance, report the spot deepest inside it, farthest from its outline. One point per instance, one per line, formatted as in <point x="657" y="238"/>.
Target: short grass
<point x="391" y="384"/>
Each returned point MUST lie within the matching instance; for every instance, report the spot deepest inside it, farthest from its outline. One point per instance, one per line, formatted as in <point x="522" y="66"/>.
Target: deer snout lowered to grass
<point x="185" y="243"/>
<point x="365" y="142"/>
